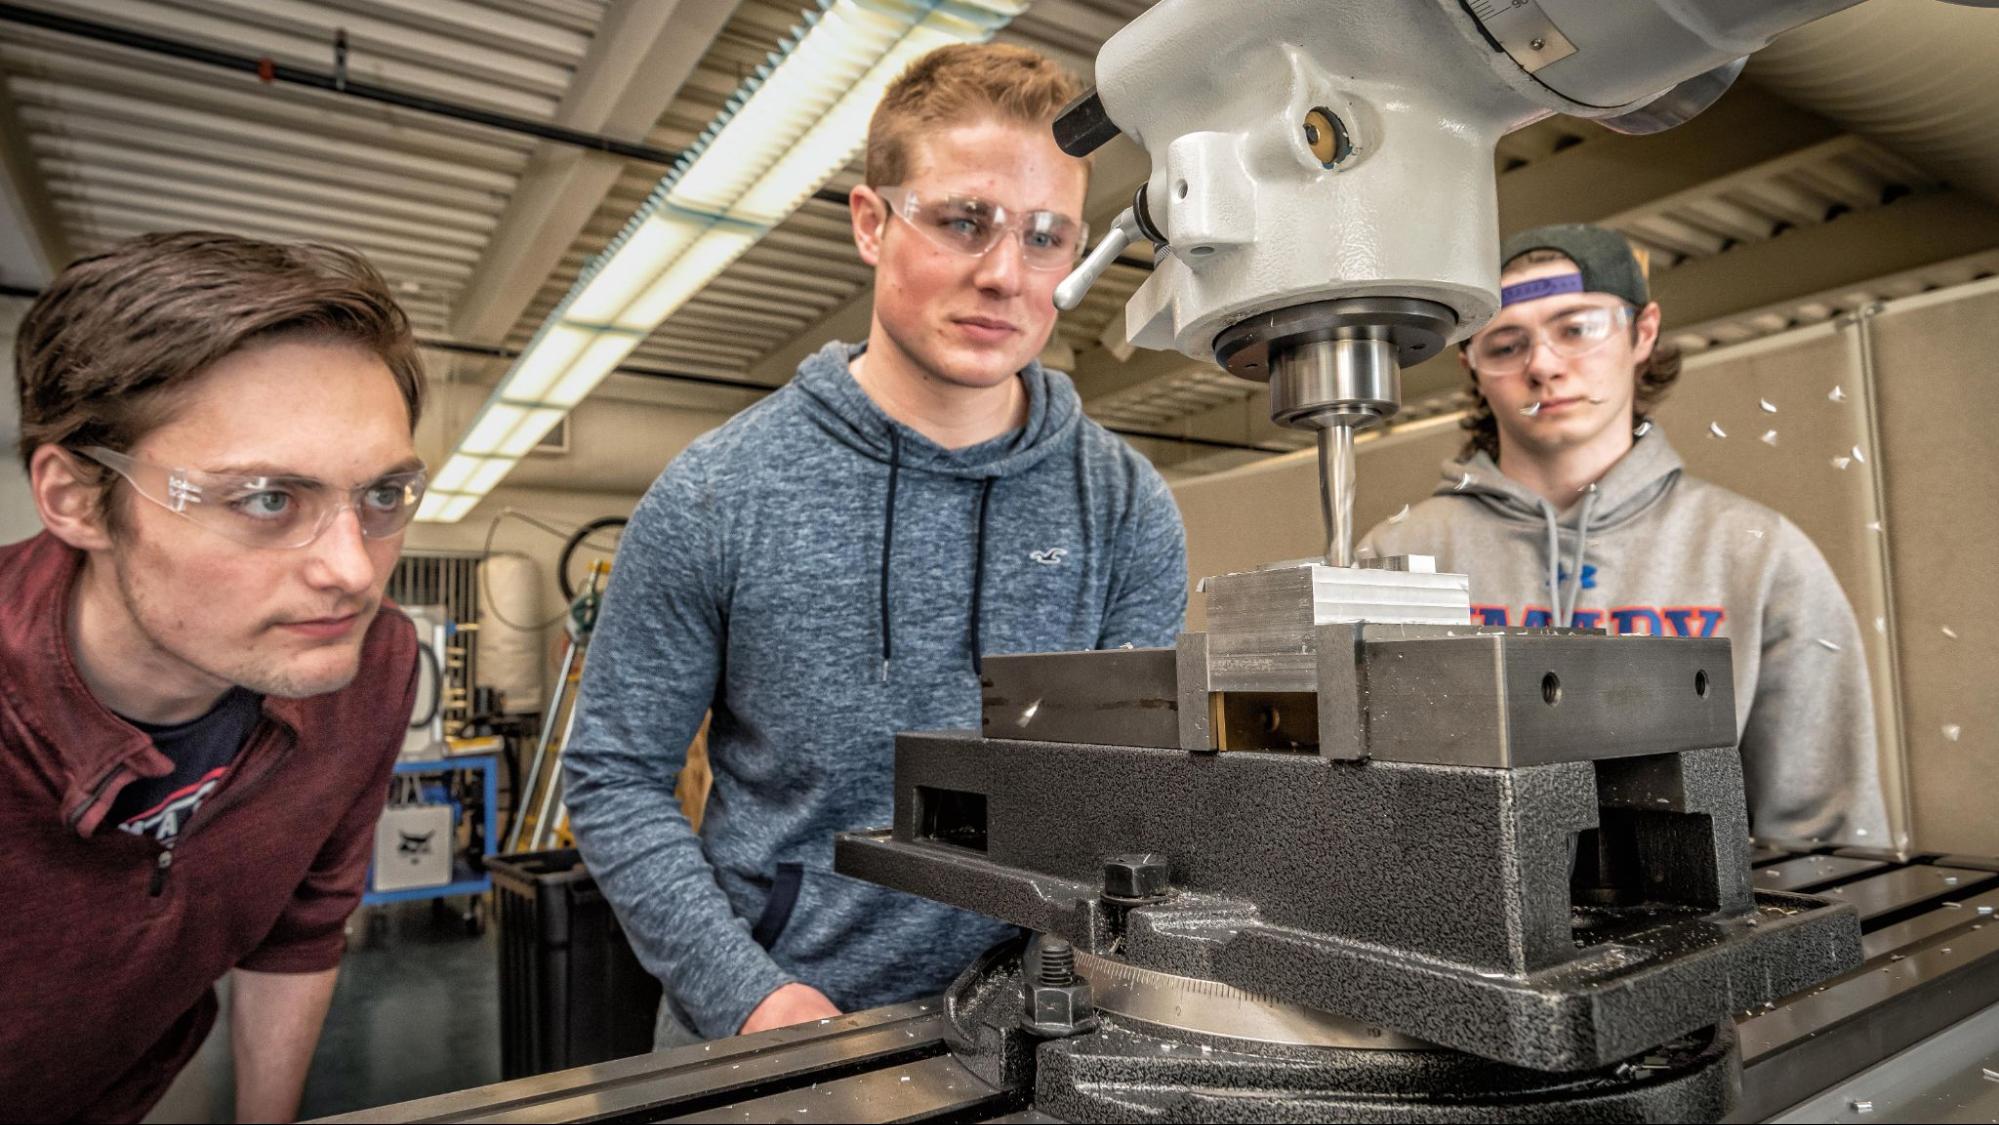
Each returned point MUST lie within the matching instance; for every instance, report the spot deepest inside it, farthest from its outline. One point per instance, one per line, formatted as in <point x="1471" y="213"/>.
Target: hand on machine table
<point x="790" y="1004"/>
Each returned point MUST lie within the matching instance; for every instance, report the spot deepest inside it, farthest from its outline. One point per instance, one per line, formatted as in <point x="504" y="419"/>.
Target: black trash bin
<point x="572" y="992"/>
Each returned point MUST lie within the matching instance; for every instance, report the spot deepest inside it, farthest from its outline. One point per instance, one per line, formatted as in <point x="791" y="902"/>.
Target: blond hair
<point x="959" y="85"/>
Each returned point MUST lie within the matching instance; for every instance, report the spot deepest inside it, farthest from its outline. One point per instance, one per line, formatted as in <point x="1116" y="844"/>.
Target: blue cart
<point x="465" y="878"/>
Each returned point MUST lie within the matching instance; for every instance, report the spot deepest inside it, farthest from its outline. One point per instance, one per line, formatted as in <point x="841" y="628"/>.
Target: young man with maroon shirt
<point x="200" y="696"/>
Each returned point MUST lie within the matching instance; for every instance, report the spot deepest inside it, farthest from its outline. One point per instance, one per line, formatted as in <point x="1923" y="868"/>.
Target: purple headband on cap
<point x="1541" y="287"/>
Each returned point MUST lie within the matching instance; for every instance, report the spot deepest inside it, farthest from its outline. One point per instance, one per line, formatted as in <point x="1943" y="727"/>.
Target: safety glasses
<point x="968" y="225"/>
<point x="272" y="511"/>
<point x="1508" y="350"/>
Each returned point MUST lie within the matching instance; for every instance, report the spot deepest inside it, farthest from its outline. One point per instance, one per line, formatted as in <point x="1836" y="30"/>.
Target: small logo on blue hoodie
<point x="1053" y="556"/>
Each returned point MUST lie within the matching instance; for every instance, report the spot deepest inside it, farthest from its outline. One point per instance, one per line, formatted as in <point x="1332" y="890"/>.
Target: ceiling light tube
<point x="630" y="266"/>
<point x="456" y="508"/>
<point x="547" y="357"/>
<point x="696" y="268"/>
<point x="530" y="431"/>
<point x="456" y="472"/>
<point x="590" y="368"/>
<point x="496" y="421"/>
<point x="489" y="474"/>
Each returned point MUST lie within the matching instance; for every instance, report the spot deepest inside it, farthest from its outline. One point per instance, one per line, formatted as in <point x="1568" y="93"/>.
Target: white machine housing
<point x="1254" y="221"/>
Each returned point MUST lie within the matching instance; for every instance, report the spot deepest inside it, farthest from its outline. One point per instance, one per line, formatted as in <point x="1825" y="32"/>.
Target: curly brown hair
<point x="1658" y="373"/>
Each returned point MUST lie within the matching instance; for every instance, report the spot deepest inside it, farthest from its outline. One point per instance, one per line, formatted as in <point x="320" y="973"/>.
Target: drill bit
<point x="1336" y="472"/>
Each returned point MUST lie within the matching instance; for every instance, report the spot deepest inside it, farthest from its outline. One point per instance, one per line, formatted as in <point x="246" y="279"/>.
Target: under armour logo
<point x="1589" y="575"/>
<point x="1050" y="557"/>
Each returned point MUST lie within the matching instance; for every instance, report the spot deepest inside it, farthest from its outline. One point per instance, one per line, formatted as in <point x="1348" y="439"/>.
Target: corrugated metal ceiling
<point x="127" y="141"/>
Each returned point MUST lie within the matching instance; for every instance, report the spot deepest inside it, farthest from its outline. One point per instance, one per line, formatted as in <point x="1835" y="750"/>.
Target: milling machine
<point x="1343" y="855"/>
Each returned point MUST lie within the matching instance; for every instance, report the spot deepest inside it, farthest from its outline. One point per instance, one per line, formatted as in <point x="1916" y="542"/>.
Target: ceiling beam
<point x="1609" y="174"/>
<point x="1825" y="261"/>
<point x="640" y="57"/>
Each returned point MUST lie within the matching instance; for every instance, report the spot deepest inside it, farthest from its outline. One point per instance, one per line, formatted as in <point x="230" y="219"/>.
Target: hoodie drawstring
<point x="1554" y="563"/>
<point x="1563" y="607"/>
<point x="1576" y="565"/>
<point x="888" y="539"/>
<point x="979" y="578"/>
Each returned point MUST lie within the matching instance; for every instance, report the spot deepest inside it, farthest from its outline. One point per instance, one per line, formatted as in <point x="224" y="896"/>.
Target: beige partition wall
<point x="1937" y="379"/>
<point x="1787" y="422"/>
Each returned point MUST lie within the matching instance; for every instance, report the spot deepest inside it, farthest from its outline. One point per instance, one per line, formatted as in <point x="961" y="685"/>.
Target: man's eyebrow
<point x="285" y="475"/>
<point x="1567" y="309"/>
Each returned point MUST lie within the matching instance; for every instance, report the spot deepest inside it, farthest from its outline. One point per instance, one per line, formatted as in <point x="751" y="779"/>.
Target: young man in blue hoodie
<point x="831" y="566"/>
<point x="1569" y="508"/>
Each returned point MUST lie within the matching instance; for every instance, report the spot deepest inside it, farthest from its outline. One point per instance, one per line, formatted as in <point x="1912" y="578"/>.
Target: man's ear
<point x="1645" y="332"/>
<point x="68" y="500"/>
<point x="869" y="213"/>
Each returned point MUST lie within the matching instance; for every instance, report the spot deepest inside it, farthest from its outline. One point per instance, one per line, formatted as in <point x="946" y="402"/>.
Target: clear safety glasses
<point x="275" y="511"/>
<point x="968" y="225"/>
<point x="1507" y="350"/>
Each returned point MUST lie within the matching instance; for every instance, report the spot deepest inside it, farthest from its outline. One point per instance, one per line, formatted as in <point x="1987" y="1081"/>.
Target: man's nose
<point x="339" y="557"/>
<point x="1543" y="364"/>
<point x="1002" y="269"/>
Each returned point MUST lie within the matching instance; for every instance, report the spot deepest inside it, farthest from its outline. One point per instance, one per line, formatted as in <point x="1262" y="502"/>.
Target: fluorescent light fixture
<point x="433" y="503"/>
<point x="653" y="246"/>
<point x="531" y="430"/>
<point x="489" y="474"/>
<point x="792" y="126"/>
<point x="706" y="258"/>
<point x="506" y="429"/>
<point x="496" y="421"/>
<point x="590" y="368"/>
<point x="455" y="473"/>
<point x="547" y="357"/>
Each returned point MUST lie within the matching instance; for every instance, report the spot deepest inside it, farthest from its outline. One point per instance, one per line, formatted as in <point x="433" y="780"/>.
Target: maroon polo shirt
<point x="111" y="944"/>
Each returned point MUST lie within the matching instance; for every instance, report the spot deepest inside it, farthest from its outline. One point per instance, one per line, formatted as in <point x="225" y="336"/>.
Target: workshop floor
<point x="415" y="1015"/>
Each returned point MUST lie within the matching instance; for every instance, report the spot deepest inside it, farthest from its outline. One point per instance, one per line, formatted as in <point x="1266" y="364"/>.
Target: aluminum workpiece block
<point x="1437" y="694"/>
<point x="1557" y="917"/>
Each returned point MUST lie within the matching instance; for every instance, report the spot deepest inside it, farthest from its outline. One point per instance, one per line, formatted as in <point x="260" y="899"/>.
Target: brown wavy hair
<point x="108" y="352"/>
<point x="1655" y="376"/>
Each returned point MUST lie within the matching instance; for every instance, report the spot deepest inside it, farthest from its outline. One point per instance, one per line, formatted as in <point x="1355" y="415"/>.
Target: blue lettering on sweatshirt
<point x="1629" y="620"/>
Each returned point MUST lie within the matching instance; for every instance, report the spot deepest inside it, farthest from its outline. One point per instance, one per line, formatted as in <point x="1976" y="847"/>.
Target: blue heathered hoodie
<point x="823" y="577"/>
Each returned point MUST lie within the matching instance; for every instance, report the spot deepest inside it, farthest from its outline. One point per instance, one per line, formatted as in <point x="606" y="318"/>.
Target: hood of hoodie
<point x="1635" y="483"/>
<point x="1640" y="479"/>
<point x="837" y="405"/>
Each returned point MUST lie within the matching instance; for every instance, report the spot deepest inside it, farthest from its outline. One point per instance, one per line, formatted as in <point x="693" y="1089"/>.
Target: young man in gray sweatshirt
<point x="1569" y="508"/>
<point x="830" y="567"/>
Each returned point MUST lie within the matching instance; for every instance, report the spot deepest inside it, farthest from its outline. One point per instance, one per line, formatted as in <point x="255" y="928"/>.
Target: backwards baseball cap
<point x="1605" y="260"/>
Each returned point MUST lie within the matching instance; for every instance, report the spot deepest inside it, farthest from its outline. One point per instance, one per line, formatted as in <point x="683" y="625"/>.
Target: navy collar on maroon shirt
<point x="98" y="750"/>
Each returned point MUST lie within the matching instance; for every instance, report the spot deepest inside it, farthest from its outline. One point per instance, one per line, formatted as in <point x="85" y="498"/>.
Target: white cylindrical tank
<point x="510" y="658"/>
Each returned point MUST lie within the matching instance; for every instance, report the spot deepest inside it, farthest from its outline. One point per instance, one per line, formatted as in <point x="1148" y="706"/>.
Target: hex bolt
<point x="1055" y="1002"/>
<point x="1135" y="879"/>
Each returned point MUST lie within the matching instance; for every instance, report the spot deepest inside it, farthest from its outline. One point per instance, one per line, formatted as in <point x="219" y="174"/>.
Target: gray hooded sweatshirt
<point x="823" y="577"/>
<point x="1652" y="551"/>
